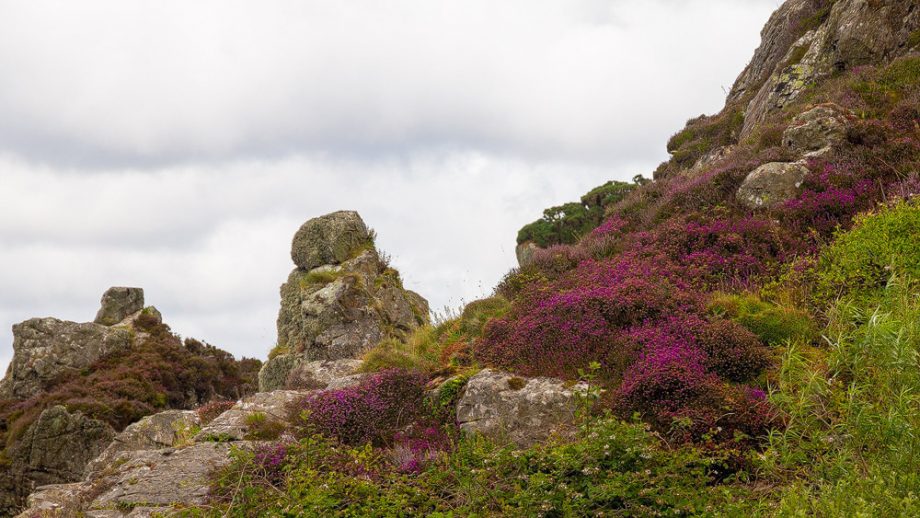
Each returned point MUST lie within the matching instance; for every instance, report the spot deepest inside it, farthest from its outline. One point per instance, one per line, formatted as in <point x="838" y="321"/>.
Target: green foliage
<point x="851" y="447"/>
<point x="610" y="469"/>
<point x="860" y="261"/>
<point x="421" y="351"/>
<point x="432" y="348"/>
<point x="772" y="323"/>
<point x="704" y="134"/>
<point x="566" y="223"/>
<point x="263" y="428"/>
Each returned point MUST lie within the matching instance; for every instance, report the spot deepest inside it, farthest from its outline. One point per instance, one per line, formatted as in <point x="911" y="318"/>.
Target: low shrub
<point x="773" y="324"/>
<point x="210" y="411"/>
<point x="371" y="412"/>
<point x="859" y="262"/>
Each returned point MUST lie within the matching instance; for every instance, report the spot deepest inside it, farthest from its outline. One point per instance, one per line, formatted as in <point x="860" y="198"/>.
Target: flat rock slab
<point x="162" y="477"/>
<point x="232" y="425"/>
<point x="150" y="433"/>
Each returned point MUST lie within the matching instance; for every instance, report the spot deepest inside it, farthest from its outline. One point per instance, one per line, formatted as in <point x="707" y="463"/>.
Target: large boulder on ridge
<point x="340" y="308"/>
<point x="329" y="239"/>
<point x="46" y="348"/>
<point x="119" y="303"/>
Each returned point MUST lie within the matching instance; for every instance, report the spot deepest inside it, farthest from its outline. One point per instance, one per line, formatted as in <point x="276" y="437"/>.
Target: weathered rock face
<point x="138" y="483"/>
<point x="792" y="55"/>
<point x="340" y="308"/>
<point x="817" y="129"/>
<point x="329" y="239"/>
<point x="771" y="184"/>
<point x="294" y="372"/>
<point x="525" y="253"/>
<point x="153" y="432"/>
<point x="46" y="348"/>
<point x="233" y="425"/>
<point x="119" y="303"/>
<point x="524" y="411"/>
<point x="57" y="447"/>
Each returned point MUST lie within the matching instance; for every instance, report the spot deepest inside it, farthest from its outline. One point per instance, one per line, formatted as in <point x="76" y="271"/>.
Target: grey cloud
<point x="129" y="83"/>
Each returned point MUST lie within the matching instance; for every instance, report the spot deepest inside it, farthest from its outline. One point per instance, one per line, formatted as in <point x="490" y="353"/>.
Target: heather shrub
<point x="561" y="331"/>
<point x="733" y="352"/>
<point x="371" y="412"/>
<point x="860" y="262"/>
<point x="772" y="323"/>
<point x="704" y="134"/>
<point x="210" y="411"/>
<point x="160" y="373"/>
<point x="671" y="389"/>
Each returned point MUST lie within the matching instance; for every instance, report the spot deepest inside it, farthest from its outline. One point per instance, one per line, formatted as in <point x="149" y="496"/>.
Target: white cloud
<point x="178" y="145"/>
<point x="131" y="81"/>
<point x="210" y="244"/>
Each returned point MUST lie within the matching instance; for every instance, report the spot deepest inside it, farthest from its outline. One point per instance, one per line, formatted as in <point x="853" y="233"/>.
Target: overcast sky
<point x="178" y="145"/>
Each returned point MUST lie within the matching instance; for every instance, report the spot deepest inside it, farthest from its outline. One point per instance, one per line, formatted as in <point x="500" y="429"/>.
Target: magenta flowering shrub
<point x="270" y="459"/>
<point x="560" y="331"/>
<point x="672" y="389"/>
<point x="417" y="446"/>
<point x="371" y="412"/>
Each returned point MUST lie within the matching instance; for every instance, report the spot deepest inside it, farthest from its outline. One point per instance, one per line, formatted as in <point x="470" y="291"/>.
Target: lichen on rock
<point x="341" y="307"/>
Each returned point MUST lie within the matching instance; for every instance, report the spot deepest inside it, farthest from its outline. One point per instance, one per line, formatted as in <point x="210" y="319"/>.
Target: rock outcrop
<point x="341" y="299"/>
<point x="56" y="448"/>
<point x="524" y="411"/>
<point x="137" y="483"/>
<point x="817" y="130"/>
<point x="294" y="372"/>
<point x="46" y="348"/>
<point x="772" y="184"/>
<point x="153" y="432"/>
<point x="805" y="41"/>
<point x="119" y="303"/>
<point x="525" y="253"/>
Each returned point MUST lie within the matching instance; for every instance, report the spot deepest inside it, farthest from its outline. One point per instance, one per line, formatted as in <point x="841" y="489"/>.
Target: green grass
<point x="860" y="261"/>
<point x="852" y="447"/>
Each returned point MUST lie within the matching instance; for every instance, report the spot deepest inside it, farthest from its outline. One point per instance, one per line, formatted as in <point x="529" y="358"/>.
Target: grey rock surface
<point x="329" y="239"/>
<point x="294" y="372"/>
<point x="525" y="253"/>
<point x="153" y="432"/>
<point x="772" y="184"/>
<point x="59" y="445"/>
<point x="855" y="32"/>
<point x="524" y="411"/>
<point x="118" y="303"/>
<point x="341" y="308"/>
<point x="233" y="424"/>
<point x="819" y="128"/>
<point x="46" y="348"/>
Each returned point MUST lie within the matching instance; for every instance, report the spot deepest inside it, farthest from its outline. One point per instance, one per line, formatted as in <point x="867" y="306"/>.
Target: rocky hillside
<point x="737" y="337"/>
<point x="71" y="387"/>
